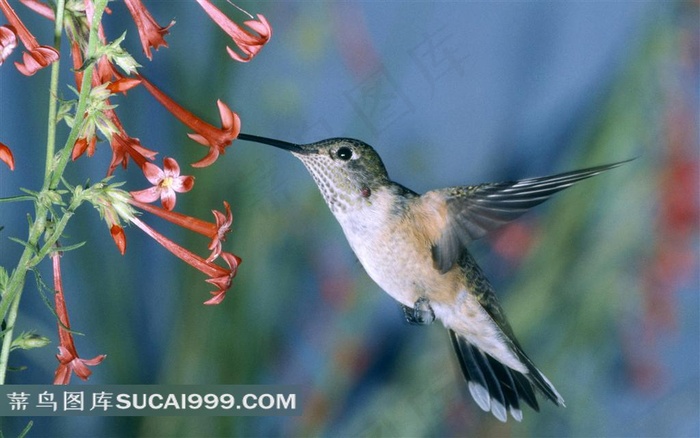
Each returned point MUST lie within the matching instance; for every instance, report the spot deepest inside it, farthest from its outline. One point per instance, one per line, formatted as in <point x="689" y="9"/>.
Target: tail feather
<point x="513" y="396"/>
<point x="541" y="382"/>
<point x="525" y="390"/>
<point x="476" y="382"/>
<point x="498" y="388"/>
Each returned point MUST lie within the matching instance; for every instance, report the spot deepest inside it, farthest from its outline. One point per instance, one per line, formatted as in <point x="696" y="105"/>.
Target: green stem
<point x="9" y="306"/>
<point x="54" y="169"/>
<point x="10" y="300"/>
<point x="85" y="88"/>
<point x="53" y="97"/>
<point x="7" y="339"/>
<point x="51" y="239"/>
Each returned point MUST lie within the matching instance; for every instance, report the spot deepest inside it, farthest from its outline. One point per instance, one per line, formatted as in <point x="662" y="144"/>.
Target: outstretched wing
<point x="473" y="211"/>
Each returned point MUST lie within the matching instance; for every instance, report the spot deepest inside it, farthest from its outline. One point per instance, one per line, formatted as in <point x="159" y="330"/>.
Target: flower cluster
<point x="103" y="73"/>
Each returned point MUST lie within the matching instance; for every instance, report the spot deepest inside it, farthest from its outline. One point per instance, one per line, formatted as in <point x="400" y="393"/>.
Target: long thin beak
<point x="287" y="146"/>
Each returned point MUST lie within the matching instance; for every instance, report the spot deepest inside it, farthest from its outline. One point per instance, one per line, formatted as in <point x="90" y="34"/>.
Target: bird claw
<point x="420" y="314"/>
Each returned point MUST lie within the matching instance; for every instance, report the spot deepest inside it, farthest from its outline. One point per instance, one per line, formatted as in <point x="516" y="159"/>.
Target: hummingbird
<point x="415" y="248"/>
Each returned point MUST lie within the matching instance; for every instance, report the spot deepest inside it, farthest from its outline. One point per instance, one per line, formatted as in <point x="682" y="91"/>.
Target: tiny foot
<point x="421" y="313"/>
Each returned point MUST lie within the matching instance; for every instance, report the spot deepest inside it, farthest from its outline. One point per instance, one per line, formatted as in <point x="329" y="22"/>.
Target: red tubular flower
<point x="119" y="237"/>
<point x="223" y="227"/>
<point x="40" y="8"/>
<point x="123" y="85"/>
<point x="83" y="144"/>
<point x="249" y="43"/>
<point x="215" y="231"/>
<point x="8" y="41"/>
<point x="77" y="56"/>
<point x="150" y="32"/>
<point x="67" y="356"/>
<point x="36" y="57"/>
<point x="216" y="139"/>
<point x="6" y="156"/>
<point x="223" y="281"/>
<point x="165" y="182"/>
<point x="106" y="72"/>
<point x="124" y="147"/>
<point x="218" y="276"/>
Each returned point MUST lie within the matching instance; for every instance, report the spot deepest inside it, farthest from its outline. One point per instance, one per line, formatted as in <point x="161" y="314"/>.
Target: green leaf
<point x="17" y="198"/>
<point x="4" y="279"/>
<point x="25" y="431"/>
<point x="71" y="247"/>
<point x="23" y="243"/>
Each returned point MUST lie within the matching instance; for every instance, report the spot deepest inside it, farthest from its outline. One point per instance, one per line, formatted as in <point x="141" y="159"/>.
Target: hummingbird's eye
<point x="344" y="153"/>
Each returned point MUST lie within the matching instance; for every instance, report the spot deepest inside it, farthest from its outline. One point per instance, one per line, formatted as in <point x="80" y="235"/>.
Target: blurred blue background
<point x="600" y="284"/>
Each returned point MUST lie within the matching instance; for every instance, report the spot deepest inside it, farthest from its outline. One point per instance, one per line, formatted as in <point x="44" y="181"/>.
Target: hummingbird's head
<point x="346" y="170"/>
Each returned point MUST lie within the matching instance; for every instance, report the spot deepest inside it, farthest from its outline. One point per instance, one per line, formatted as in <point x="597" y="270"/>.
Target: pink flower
<point x="165" y="182"/>
<point x="36" y="57"/>
<point x="6" y="156"/>
<point x="205" y="134"/>
<point x="249" y="43"/>
<point x="150" y="32"/>
<point x="67" y="356"/>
